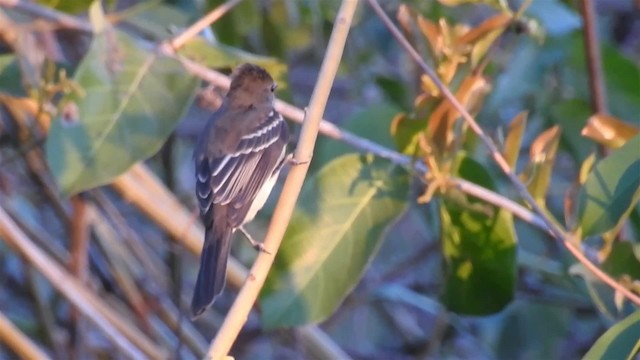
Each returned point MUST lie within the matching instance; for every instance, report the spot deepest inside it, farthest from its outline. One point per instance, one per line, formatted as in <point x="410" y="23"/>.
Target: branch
<point x="240" y="309"/>
<point x="594" y="61"/>
<point x="202" y="24"/>
<point x="554" y="230"/>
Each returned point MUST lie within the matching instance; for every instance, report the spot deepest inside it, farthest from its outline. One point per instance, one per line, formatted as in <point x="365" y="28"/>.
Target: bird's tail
<point x="213" y="269"/>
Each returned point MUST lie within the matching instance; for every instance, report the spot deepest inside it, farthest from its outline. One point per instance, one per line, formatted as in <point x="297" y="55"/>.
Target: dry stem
<point x="240" y="309"/>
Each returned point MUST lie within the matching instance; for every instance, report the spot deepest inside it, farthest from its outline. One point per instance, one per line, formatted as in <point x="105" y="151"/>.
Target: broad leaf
<point x="337" y="228"/>
<point x="132" y="101"/>
<point x="479" y="248"/>
<point x="610" y="190"/>
<point x="621" y="341"/>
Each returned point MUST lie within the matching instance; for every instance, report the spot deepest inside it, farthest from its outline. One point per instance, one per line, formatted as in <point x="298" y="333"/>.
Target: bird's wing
<point x="234" y="178"/>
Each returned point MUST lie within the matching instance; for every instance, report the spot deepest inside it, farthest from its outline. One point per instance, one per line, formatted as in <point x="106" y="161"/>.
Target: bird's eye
<point x="274" y="87"/>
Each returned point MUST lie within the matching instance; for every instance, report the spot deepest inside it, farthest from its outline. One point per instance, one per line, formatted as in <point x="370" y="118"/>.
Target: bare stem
<point x="594" y="61"/>
<point x="555" y="230"/>
<point x="240" y="309"/>
<point x="202" y="24"/>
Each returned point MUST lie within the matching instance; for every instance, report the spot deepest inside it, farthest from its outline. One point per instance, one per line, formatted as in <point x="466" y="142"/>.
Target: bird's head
<point x="251" y="84"/>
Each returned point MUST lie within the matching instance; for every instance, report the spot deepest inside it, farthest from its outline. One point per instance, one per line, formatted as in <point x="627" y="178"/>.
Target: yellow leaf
<point x="496" y="22"/>
<point x="608" y="130"/>
<point x="432" y="33"/>
<point x="514" y="138"/>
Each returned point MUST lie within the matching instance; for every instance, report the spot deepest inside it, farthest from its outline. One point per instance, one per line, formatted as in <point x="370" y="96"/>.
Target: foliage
<point x="391" y="260"/>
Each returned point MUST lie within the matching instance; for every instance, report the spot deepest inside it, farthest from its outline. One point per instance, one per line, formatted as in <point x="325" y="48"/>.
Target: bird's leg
<point x="292" y="161"/>
<point x="256" y="244"/>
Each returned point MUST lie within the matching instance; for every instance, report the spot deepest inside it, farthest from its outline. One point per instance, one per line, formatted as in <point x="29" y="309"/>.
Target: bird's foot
<point x="255" y="244"/>
<point x="295" y="162"/>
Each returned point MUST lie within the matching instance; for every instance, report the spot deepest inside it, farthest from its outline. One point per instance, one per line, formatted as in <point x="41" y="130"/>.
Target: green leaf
<point x="623" y="260"/>
<point x="479" y="248"/>
<point x="406" y="130"/>
<point x="572" y="116"/>
<point x="621" y="341"/>
<point x="132" y="101"/>
<point x="157" y="20"/>
<point x="611" y="190"/>
<point x="395" y="90"/>
<point x="337" y="228"/>
<point x="235" y="26"/>
<point x="10" y="79"/>
<point x="72" y="7"/>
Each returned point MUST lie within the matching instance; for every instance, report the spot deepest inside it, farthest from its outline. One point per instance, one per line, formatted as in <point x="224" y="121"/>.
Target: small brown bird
<point x="237" y="160"/>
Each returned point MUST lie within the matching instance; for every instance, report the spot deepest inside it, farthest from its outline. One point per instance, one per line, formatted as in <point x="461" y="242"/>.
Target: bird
<point x="238" y="157"/>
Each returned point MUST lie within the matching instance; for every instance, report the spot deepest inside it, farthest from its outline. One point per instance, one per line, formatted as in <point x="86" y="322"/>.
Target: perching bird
<point x="237" y="160"/>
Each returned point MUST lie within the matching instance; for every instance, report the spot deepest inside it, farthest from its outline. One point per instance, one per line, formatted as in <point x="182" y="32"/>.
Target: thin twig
<point x="555" y="230"/>
<point x="78" y="262"/>
<point x="248" y="294"/>
<point x="46" y="316"/>
<point x="202" y="24"/>
<point x="594" y="61"/>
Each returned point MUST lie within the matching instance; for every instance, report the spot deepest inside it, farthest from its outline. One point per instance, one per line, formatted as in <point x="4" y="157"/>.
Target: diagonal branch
<point x="202" y="24"/>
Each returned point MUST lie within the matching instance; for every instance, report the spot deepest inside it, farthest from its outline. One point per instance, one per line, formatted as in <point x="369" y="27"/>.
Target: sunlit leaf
<point x="514" y="139"/>
<point x="431" y="32"/>
<point x="479" y="249"/>
<point x="496" y="22"/>
<point x="336" y="230"/>
<point x="405" y="18"/>
<point x="470" y="94"/>
<point x="542" y="158"/>
<point x="132" y="101"/>
<point x="611" y="190"/>
<point x="608" y="130"/>
<point x="621" y="341"/>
